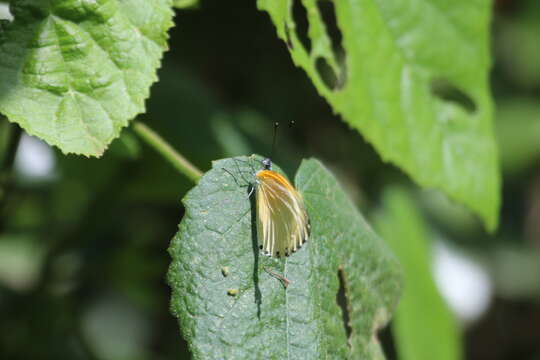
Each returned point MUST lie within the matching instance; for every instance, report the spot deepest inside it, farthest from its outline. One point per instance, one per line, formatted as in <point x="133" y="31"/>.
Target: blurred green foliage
<point x="518" y="126"/>
<point x="423" y="324"/>
<point x="87" y="246"/>
<point x="185" y="3"/>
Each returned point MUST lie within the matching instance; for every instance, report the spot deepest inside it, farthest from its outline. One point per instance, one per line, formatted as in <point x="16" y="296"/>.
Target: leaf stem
<point x="167" y="151"/>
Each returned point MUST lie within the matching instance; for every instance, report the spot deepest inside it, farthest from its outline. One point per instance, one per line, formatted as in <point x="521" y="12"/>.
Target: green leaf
<point x="74" y="73"/>
<point x="424" y="327"/>
<point x="230" y="307"/>
<point x="414" y="82"/>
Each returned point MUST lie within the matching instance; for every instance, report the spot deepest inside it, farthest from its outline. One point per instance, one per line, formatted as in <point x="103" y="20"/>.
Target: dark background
<point x="83" y="245"/>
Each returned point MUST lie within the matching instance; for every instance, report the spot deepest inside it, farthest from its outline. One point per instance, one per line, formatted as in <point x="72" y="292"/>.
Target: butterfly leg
<point x="234" y="177"/>
<point x="243" y="171"/>
<point x="249" y="162"/>
<point x="251" y="190"/>
<point x="281" y="278"/>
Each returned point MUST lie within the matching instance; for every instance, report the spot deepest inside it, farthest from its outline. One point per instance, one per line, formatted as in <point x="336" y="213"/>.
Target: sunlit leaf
<point x="74" y="73"/>
<point x="412" y="77"/>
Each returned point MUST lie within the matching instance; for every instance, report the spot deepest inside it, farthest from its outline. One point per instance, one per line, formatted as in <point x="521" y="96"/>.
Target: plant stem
<point x="6" y="169"/>
<point x="12" y="144"/>
<point x="160" y="145"/>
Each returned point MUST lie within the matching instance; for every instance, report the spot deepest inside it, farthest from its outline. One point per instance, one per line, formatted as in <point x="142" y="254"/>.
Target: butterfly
<point x="282" y="221"/>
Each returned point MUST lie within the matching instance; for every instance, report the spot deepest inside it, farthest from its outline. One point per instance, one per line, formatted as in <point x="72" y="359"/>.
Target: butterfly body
<point x="282" y="220"/>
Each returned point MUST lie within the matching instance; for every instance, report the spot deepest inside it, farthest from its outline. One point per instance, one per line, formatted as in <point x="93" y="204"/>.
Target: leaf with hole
<point x="412" y="77"/>
<point x="263" y="319"/>
<point x="74" y="73"/>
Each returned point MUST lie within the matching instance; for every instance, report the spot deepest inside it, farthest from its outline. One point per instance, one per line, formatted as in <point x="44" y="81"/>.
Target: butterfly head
<point x="267" y="163"/>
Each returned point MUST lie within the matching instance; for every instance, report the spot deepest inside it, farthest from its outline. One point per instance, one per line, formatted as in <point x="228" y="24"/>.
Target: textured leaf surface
<point x="263" y="320"/>
<point x="396" y="54"/>
<point x="75" y="72"/>
<point x="424" y="327"/>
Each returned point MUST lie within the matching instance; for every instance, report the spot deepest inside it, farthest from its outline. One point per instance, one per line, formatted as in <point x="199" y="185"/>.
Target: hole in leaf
<point x="343" y="303"/>
<point x="328" y="14"/>
<point x="445" y="90"/>
<point x="327" y="74"/>
<point x="300" y="19"/>
<point x="387" y="341"/>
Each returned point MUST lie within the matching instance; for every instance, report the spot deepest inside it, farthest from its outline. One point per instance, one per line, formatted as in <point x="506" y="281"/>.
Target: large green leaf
<point x="397" y="55"/>
<point x="248" y="313"/>
<point x="424" y="327"/>
<point x="75" y="72"/>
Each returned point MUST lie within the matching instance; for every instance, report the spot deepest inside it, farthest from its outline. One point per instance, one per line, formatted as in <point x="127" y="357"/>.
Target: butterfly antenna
<point x="276" y="124"/>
